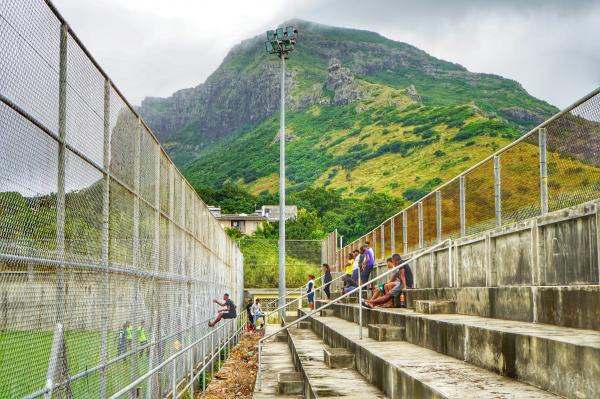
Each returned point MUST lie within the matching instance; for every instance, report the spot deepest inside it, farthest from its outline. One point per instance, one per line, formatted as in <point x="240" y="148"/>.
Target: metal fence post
<point x="136" y="251"/>
<point x="404" y="232"/>
<point x="105" y="239"/>
<point x="543" y="172"/>
<point x="463" y="224"/>
<point x="497" y="192"/>
<point x="420" y="211"/>
<point x="174" y="381"/>
<point x="60" y="208"/>
<point x="203" y="366"/>
<point x="153" y="382"/>
<point x="438" y="214"/>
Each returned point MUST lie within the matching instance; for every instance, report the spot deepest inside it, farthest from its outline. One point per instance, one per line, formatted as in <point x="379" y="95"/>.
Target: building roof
<point x="241" y="216"/>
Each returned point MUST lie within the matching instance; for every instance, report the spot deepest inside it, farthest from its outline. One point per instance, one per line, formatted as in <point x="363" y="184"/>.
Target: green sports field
<point x="24" y="360"/>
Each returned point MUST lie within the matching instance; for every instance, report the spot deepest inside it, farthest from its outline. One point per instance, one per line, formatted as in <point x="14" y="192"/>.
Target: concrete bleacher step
<point x="322" y="381"/>
<point x="386" y="332"/>
<point x="276" y="359"/>
<point x="562" y="360"/>
<point x="435" y="307"/>
<point x="404" y="370"/>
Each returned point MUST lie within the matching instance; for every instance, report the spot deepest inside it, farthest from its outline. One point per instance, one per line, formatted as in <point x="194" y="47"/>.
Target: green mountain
<point x="365" y="114"/>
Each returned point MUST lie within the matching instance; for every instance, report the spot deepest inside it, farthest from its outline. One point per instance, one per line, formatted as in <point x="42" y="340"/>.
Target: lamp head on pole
<point x="281" y="41"/>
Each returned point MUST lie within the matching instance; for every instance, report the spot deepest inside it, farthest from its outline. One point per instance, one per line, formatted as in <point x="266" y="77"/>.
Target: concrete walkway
<point x="326" y="382"/>
<point x="276" y="358"/>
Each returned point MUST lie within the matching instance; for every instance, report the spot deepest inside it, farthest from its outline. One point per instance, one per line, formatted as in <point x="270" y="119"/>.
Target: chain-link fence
<point x="261" y="262"/>
<point x="108" y="258"/>
<point x="554" y="166"/>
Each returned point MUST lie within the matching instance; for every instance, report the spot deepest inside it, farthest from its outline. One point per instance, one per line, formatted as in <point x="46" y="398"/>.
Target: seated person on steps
<point x="349" y="284"/>
<point x="403" y="280"/>
<point x="384" y="288"/>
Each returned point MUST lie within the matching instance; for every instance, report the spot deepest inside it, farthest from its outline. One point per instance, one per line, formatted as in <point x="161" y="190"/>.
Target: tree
<point x="306" y="226"/>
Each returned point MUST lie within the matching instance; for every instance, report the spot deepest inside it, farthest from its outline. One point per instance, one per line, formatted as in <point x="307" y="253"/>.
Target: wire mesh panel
<point x="177" y="199"/>
<point x="378" y="244"/>
<point x="96" y="286"/>
<point x="387" y="233"/>
<point x="165" y="184"/>
<point x="28" y="185"/>
<point x="85" y="103"/>
<point x="429" y="220"/>
<point x="573" y="156"/>
<point x="450" y="204"/>
<point x="398" y="234"/>
<point x="412" y="226"/>
<point x="261" y="260"/>
<point x="29" y="65"/>
<point x="148" y="167"/>
<point x="124" y="129"/>
<point x="480" y="208"/>
<point x="120" y="224"/>
<point x="83" y="210"/>
<point x="520" y="181"/>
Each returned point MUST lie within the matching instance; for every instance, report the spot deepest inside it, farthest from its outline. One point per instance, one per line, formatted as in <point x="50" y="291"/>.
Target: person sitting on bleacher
<point x="349" y="284"/>
<point x="405" y="280"/>
<point x="384" y="288"/>
<point x="382" y="296"/>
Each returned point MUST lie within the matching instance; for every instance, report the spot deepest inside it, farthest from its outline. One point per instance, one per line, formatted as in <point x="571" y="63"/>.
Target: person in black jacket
<point x="327" y="280"/>
<point x="227" y="310"/>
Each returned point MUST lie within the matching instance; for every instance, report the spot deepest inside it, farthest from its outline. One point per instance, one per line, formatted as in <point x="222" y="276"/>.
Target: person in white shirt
<point x="257" y="312"/>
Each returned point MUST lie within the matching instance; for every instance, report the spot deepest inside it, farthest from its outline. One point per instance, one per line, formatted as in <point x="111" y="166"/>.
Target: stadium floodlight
<point x="281" y="42"/>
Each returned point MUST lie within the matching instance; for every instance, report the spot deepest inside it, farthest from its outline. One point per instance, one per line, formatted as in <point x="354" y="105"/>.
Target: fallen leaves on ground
<point x="236" y="377"/>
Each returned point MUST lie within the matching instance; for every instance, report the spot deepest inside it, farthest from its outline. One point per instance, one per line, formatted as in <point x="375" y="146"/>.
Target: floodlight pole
<point x="281" y="41"/>
<point x="282" y="285"/>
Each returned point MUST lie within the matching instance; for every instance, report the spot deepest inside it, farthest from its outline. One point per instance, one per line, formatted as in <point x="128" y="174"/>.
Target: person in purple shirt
<point x="368" y="264"/>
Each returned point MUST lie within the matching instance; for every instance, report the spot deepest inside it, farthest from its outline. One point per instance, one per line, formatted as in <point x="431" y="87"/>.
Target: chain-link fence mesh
<point x="450" y="212"/>
<point x="520" y="181"/>
<point x="261" y="261"/>
<point x="387" y="233"/>
<point x="398" y="234"/>
<point x="573" y="147"/>
<point x="555" y="166"/>
<point x="412" y="227"/>
<point x="480" y="213"/>
<point x="429" y="210"/>
<point x="108" y="258"/>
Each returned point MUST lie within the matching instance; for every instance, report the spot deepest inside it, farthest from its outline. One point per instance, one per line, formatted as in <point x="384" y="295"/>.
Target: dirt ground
<point x="236" y="377"/>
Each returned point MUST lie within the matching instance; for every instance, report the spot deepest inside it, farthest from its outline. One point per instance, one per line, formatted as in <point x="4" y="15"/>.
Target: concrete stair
<point x="405" y="370"/>
<point x="276" y="361"/>
<point x="313" y="359"/>
<point x="561" y="360"/>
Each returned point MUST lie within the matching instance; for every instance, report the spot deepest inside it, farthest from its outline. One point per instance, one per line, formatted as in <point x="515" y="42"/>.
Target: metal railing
<point x="231" y="331"/>
<point x="554" y="166"/>
<point x="288" y="294"/>
<point x="320" y="289"/>
<point x="108" y="257"/>
<point x="333" y="301"/>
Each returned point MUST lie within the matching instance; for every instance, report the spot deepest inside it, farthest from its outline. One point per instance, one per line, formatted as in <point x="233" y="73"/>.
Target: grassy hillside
<point x="384" y="143"/>
<point x="365" y="114"/>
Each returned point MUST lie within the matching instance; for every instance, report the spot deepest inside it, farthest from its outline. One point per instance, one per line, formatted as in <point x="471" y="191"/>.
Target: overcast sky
<point x="155" y="47"/>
